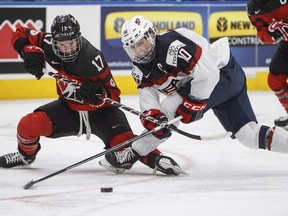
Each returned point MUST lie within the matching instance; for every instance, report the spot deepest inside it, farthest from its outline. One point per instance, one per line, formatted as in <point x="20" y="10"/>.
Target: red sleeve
<point x="24" y="36"/>
<point x="263" y="13"/>
<point x="261" y="24"/>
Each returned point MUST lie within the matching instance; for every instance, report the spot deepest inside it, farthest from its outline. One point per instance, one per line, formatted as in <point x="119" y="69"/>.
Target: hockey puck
<point x="106" y="189"/>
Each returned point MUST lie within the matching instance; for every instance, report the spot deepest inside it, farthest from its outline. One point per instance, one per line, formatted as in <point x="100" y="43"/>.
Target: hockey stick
<point x="143" y="115"/>
<point x="120" y="145"/>
<point x="170" y="127"/>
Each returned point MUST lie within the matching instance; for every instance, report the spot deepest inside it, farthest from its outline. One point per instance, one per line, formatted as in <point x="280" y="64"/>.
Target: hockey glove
<point x="90" y="92"/>
<point x="278" y="30"/>
<point x="34" y="60"/>
<point x="191" y="110"/>
<point x="157" y="114"/>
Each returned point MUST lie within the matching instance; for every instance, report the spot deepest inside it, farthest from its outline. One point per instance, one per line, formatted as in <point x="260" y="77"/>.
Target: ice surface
<point x="225" y="178"/>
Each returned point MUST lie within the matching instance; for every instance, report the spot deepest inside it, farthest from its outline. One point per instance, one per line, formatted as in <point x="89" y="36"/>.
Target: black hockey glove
<point x="278" y="30"/>
<point x="90" y="92"/>
<point x="157" y="114"/>
<point x="34" y="60"/>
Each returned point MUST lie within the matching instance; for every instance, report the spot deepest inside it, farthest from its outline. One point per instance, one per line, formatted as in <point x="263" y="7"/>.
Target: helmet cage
<point x="73" y="51"/>
<point x="149" y="54"/>
<point x="65" y="28"/>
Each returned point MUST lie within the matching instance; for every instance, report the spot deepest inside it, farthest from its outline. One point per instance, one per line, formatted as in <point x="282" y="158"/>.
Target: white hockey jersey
<point x="184" y="62"/>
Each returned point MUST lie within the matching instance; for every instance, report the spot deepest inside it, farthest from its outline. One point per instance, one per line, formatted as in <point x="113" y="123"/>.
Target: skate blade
<point x="176" y="169"/>
<point x="104" y="163"/>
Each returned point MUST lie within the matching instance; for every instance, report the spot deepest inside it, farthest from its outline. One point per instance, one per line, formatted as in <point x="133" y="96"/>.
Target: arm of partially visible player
<point x="279" y="29"/>
<point x="257" y="18"/>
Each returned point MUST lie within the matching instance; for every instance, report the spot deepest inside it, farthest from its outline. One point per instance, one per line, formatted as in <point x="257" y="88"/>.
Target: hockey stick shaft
<point x="123" y="144"/>
<point x="168" y="126"/>
<point x="149" y="118"/>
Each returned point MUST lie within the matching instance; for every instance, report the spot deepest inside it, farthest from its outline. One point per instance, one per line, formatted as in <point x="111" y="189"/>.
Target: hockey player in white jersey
<point x="195" y="76"/>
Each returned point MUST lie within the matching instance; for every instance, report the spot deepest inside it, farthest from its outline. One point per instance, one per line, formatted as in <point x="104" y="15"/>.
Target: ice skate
<point x="18" y="158"/>
<point x="118" y="162"/>
<point x="167" y="165"/>
<point x="281" y="121"/>
<point x="15" y="159"/>
<point x="104" y="163"/>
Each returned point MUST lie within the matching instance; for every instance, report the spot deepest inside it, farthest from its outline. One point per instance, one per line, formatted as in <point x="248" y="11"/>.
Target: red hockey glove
<point x="34" y="60"/>
<point x="90" y="92"/>
<point x="157" y="114"/>
<point x="278" y="30"/>
<point x="191" y="110"/>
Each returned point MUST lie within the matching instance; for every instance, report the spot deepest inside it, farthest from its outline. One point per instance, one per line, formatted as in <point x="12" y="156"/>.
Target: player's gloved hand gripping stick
<point x="149" y="118"/>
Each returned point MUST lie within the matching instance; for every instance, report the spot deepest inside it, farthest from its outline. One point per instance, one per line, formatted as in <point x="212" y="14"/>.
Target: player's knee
<point x="277" y="82"/>
<point x="253" y="135"/>
<point x="35" y="124"/>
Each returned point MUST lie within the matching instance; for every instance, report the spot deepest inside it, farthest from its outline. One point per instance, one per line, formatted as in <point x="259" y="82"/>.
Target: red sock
<point x="283" y="98"/>
<point x="121" y="138"/>
<point x="278" y="83"/>
<point x="150" y="158"/>
<point x="30" y="128"/>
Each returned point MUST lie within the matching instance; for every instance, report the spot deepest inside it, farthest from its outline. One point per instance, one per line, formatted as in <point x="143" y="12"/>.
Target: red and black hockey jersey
<point x="264" y="12"/>
<point x="90" y="66"/>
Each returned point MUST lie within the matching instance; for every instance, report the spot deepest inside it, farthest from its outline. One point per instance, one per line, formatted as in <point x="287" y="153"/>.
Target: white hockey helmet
<point x="139" y="39"/>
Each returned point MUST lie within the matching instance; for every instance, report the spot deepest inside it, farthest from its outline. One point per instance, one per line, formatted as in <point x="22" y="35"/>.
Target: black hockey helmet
<point x="65" y="31"/>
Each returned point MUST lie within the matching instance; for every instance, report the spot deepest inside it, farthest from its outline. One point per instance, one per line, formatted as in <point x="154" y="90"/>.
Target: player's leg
<point x="155" y="159"/>
<point x="115" y="129"/>
<point x="278" y="84"/>
<point x="51" y="120"/>
<point x="159" y="162"/>
<point x="238" y="117"/>
<point x="29" y="130"/>
<point x="277" y="79"/>
<point x="111" y="126"/>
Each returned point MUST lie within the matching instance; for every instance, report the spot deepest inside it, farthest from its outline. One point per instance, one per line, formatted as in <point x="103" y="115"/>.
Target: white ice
<point x="225" y="178"/>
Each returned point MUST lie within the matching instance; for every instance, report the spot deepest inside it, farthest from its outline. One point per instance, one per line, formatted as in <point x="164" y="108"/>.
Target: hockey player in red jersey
<point x="195" y="76"/>
<point x="76" y="111"/>
<point x="270" y="18"/>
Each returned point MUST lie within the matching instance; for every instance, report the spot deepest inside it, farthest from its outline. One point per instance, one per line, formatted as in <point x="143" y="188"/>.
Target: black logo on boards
<point x="118" y="24"/>
<point x="222" y="24"/>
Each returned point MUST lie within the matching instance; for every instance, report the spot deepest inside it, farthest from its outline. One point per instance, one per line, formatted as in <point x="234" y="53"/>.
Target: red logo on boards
<point x="6" y="29"/>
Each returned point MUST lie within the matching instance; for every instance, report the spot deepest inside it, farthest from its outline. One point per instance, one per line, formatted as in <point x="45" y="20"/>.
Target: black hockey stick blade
<point x="29" y="185"/>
